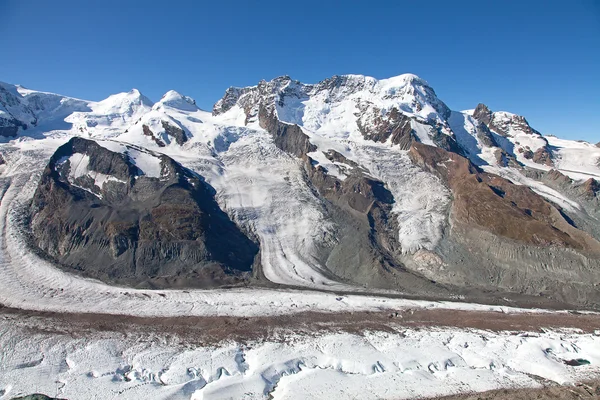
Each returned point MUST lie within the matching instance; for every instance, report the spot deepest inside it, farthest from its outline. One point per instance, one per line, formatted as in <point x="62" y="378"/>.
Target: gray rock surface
<point x="142" y="231"/>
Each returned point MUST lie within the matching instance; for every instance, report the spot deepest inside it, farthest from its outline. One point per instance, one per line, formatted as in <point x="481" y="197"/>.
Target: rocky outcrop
<point x="36" y="396"/>
<point x="483" y="113"/>
<point x="505" y="237"/>
<point x="499" y="206"/>
<point x="14" y="113"/>
<point x="504" y="159"/>
<point x="393" y="126"/>
<point x="287" y="137"/>
<point x="591" y="188"/>
<point x="485" y="136"/>
<point x="148" y="221"/>
<point x="558" y="177"/>
<point x="543" y="156"/>
<point x="148" y="132"/>
<point x="175" y="132"/>
<point x="10" y="127"/>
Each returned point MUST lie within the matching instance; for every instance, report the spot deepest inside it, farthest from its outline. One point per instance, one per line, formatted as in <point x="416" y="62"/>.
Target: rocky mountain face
<point x="516" y="225"/>
<point x="351" y="181"/>
<point x="147" y="220"/>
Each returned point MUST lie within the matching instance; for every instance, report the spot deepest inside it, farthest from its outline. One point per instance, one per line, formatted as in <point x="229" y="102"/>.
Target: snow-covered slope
<point x="349" y="127"/>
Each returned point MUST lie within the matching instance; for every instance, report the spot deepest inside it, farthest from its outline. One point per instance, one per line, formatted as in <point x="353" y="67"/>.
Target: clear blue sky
<point x="540" y="59"/>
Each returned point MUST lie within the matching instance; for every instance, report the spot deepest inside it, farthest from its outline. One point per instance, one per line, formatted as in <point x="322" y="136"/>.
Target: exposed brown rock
<point x="148" y="132"/>
<point x="503" y="159"/>
<point x="142" y="231"/>
<point x="543" y="156"/>
<point x="497" y="205"/>
<point x="558" y="177"/>
<point x="580" y="391"/>
<point x="591" y="188"/>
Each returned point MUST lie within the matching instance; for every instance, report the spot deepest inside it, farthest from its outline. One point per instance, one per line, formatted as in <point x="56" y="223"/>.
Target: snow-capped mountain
<point x="354" y="182"/>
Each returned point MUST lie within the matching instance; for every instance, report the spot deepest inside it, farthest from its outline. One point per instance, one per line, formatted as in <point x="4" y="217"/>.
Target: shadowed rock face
<point x="483" y="113"/>
<point x="287" y="137"/>
<point x="177" y="133"/>
<point x="143" y="230"/>
<point x="9" y="128"/>
<point x="148" y="132"/>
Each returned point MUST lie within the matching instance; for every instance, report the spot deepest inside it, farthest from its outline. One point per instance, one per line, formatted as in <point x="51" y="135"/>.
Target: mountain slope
<point x="147" y="220"/>
<point x="357" y="182"/>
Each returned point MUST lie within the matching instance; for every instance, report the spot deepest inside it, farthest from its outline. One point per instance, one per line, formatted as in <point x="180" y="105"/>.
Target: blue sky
<point x="540" y="59"/>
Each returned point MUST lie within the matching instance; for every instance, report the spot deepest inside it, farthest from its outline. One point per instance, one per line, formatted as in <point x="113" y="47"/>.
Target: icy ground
<point x="402" y="363"/>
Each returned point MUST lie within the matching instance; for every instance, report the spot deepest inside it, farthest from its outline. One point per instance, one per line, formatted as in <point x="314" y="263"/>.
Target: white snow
<point x="579" y="160"/>
<point x="397" y="364"/>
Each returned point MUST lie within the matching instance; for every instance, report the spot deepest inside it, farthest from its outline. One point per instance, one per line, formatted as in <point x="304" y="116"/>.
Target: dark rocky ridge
<point x="287" y="137"/>
<point x="143" y="231"/>
<point x="10" y="127"/>
<point x="175" y="132"/>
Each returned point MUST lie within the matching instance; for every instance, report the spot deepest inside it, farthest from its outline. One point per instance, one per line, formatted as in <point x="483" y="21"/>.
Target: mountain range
<point x="351" y="183"/>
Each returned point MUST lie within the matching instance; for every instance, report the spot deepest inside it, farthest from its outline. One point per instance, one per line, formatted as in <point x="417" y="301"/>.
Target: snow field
<point x="399" y="364"/>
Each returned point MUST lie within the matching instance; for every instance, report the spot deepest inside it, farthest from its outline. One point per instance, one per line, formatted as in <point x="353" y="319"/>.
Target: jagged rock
<point x="334" y="156"/>
<point x="504" y="159"/>
<point x="148" y="132"/>
<point x="485" y="136"/>
<point x="543" y="156"/>
<point x="287" y="137"/>
<point x="147" y="220"/>
<point x="482" y="113"/>
<point x="175" y="132"/>
<point x="378" y="128"/>
<point x="527" y="153"/>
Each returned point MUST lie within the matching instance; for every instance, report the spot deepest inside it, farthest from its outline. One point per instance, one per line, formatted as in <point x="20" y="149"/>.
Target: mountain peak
<point x="404" y="79"/>
<point x="176" y="100"/>
<point x="123" y="103"/>
<point x="482" y="113"/>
